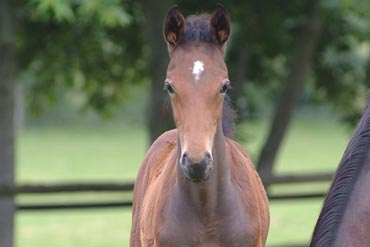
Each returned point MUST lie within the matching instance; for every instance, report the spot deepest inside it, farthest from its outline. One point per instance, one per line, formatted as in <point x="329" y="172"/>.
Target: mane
<point x="343" y="183"/>
<point x="228" y="117"/>
<point x="197" y="30"/>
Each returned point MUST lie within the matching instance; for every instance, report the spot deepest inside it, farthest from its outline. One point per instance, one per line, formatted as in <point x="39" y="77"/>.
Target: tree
<point x="100" y="67"/>
<point x="93" y="47"/>
<point x="340" y="68"/>
<point x="307" y="45"/>
<point x="268" y="31"/>
<point x="7" y="81"/>
<point x="159" y="111"/>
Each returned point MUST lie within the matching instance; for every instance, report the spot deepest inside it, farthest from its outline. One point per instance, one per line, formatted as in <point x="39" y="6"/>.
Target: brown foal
<point x="197" y="187"/>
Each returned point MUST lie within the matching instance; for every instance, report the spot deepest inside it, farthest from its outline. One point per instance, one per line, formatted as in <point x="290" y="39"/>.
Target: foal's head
<point x="197" y="81"/>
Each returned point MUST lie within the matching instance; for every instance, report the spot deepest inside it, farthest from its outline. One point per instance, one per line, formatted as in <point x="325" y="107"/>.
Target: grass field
<point x="114" y="154"/>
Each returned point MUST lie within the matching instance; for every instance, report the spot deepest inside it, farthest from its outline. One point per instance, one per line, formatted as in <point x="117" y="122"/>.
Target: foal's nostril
<point x="183" y="158"/>
<point x="208" y="156"/>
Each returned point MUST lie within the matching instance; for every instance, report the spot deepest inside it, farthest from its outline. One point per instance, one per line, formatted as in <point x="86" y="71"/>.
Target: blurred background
<point x="81" y="100"/>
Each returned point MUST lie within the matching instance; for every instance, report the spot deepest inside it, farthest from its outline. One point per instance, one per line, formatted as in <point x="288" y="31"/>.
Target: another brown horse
<point x="345" y="217"/>
<point x="197" y="187"/>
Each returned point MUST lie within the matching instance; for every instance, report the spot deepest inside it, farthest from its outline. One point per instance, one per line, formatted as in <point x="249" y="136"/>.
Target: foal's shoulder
<point x="239" y="159"/>
<point x="167" y="140"/>
<point x="161" y="148"/>
<point x="236" y="148"/>
<point x="155" y="158"/>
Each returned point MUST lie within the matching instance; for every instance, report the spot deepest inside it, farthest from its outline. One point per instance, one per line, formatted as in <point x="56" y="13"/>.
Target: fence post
<point x="7" y="67"/>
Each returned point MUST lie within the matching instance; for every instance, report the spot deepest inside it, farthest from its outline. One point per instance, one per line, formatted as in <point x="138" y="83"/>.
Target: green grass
<point x="52" y="155"/>
<point x="79" y="154"/>
<point x="95" y="228"/>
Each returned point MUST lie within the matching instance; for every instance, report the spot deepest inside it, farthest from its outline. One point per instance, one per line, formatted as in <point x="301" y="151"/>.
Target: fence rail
<point x="64" y="206"/>
<point x="63" y="188"/>
<point x="128" y="187"/>
<point x="301" y="178"/>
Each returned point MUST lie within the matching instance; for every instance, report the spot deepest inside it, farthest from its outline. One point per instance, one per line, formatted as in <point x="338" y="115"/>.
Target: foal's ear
<point x="220" y="25"/>
<point x="174" y="26"/>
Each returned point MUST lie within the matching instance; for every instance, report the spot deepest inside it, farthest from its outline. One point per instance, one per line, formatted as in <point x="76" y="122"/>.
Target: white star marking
<point x="198" y="68"/>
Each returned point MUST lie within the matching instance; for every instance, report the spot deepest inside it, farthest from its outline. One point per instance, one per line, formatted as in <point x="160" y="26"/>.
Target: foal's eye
<point x="225" y="87"/>
<point x="168" y="87"/>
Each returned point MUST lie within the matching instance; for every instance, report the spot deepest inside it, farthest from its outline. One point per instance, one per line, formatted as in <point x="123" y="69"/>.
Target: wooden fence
<point x="47" y="189"/>
<point x="73" y="188"/>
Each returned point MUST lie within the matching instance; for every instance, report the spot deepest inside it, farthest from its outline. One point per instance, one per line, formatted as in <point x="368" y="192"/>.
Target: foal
<point x="197" y="187"/>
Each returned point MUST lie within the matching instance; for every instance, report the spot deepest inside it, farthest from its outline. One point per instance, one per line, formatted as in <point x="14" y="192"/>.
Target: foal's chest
<point x="217" y="231"/>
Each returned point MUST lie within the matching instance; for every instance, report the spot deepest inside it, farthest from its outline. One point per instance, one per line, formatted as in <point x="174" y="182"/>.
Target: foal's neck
<point x="205" y="196"/>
